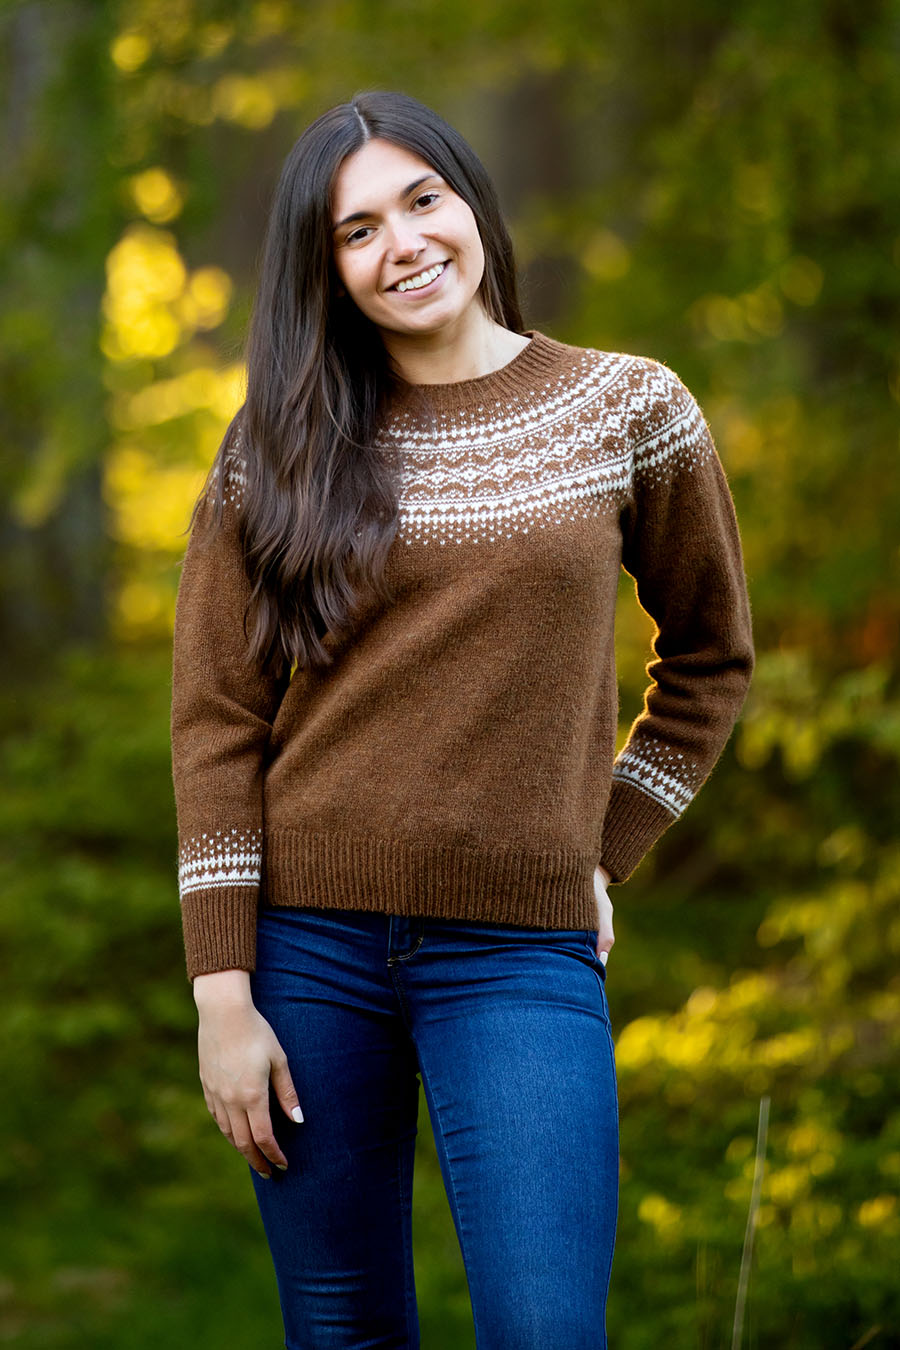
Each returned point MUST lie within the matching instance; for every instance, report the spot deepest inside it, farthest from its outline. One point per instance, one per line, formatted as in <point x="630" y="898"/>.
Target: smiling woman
<point x="394" y="720"/>
<point x="413" y="263"/>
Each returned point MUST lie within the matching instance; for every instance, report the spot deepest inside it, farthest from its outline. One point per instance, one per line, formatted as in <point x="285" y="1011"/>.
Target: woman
<point x="394" y="723"/>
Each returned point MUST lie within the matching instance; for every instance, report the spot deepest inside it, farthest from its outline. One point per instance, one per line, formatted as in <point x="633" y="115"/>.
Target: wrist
<point x="220" y="987"/>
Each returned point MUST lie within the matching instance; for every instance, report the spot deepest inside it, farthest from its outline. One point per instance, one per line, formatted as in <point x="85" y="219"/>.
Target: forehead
<point x="375" y="173"/>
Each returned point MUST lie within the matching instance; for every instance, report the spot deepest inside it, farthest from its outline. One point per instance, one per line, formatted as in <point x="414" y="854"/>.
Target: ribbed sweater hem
<point x="504" y="885"/>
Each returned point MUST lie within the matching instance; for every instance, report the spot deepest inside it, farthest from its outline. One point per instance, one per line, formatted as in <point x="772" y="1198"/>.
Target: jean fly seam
<point x="403" y="1004"/>
<point x="404" y="956"/>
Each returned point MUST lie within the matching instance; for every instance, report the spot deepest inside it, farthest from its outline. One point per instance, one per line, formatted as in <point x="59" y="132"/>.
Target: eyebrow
<point x="364" y="215"/>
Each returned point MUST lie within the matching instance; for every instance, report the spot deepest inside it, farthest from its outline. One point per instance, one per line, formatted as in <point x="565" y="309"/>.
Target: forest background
<point x="714" y="185"/>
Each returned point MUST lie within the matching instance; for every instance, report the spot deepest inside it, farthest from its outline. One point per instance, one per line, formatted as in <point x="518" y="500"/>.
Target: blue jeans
<point x="509" y="1029"/>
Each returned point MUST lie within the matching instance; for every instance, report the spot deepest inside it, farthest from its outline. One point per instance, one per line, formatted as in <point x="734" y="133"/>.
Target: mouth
<point x="426" y="280"/>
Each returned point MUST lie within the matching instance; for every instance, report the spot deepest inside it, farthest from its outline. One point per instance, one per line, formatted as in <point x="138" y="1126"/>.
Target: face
<point x="406" y="246"/>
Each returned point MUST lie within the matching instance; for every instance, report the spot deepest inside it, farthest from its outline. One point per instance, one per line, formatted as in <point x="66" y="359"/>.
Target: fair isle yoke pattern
<point x="478" y="476"/>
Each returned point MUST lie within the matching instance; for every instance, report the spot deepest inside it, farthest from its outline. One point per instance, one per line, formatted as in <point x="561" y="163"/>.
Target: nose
<point x="404" y="242"/>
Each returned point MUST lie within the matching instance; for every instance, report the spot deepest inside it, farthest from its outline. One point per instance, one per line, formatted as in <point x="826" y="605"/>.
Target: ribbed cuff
<point x="219" y="927"/>
<point x="632" y="825"/>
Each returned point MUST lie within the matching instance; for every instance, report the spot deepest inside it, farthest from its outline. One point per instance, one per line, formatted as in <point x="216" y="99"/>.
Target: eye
<point x="361" y="232"/>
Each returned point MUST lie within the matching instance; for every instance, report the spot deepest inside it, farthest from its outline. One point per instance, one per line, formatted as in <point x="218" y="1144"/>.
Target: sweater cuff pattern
<point x="666" y="775"/>
<point x="220" y="858"/>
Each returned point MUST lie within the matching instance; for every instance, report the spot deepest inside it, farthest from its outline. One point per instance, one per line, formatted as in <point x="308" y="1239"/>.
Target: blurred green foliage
<point x="717" y="188"/>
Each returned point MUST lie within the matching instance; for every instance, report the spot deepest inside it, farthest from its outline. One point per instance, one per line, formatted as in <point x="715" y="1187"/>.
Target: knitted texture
<point x="458" y="759"/>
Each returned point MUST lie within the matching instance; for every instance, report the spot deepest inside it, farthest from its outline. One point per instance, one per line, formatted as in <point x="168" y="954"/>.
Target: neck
<point x="474" y="346"/>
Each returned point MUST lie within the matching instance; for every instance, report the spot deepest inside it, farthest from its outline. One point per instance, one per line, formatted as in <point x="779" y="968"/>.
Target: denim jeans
<point x="508" y="1028"/>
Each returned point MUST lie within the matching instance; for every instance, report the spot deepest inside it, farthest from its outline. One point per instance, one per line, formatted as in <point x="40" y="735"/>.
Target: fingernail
<point x="282" y="1167"/>
<point x="266" y="1176"/>
<point x="297" y="1115"/>
<point x="604" y="957"/>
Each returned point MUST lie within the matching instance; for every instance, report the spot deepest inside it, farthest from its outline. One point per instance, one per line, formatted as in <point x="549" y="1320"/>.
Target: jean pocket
<point x="592" y="936"/>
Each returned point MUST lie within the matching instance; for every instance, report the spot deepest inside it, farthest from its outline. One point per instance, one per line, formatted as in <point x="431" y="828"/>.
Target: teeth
<point x="423" y="278"/>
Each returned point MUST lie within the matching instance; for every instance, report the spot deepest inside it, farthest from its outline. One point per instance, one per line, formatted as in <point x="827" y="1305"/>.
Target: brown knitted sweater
<point x="458" y="759"/>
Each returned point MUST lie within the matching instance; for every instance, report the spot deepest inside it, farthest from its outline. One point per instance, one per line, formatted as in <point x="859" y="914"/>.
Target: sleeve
<point x="222" y="713"/>
<point x="680" y="543"/>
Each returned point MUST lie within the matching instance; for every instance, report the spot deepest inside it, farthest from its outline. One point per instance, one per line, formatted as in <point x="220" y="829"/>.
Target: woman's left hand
<point x="605" y="935"/>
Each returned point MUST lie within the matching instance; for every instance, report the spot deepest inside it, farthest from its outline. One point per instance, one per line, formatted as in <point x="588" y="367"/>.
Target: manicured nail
<point x="297" y="1115"/>
<point x="282" y="1167"/>
<point x="266" y="1176"/>
<point x="604" y="957"/>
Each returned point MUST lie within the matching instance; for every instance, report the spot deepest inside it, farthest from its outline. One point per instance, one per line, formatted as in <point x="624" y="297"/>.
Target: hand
<point x="605" y="935"/>
<point x="238" y="1050"/>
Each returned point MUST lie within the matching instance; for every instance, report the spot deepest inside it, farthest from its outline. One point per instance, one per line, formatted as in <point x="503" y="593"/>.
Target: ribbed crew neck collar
<point x="541" y="358"/>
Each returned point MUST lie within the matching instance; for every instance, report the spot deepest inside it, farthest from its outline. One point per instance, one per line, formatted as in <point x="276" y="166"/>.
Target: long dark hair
<point x="319" y="499"/>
